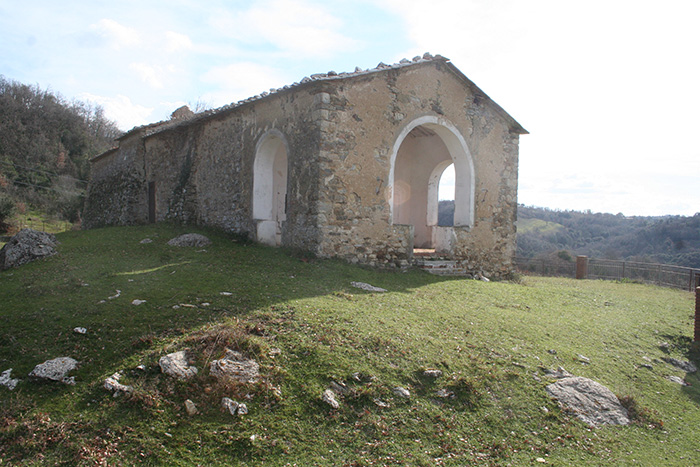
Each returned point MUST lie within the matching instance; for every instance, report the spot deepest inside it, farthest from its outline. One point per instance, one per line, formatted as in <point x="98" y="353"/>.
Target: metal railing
<point x="666" y="275"/>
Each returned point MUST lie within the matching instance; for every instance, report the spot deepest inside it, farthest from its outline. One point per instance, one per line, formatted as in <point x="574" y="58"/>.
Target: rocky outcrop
<point x="234" y="366"/>
<point x="177" y="365"/>
<point x="592" y="402"/>
<point x="28" y="245"/>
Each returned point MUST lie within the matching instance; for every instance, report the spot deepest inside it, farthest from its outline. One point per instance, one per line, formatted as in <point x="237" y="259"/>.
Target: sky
<point x="609" y="90"/>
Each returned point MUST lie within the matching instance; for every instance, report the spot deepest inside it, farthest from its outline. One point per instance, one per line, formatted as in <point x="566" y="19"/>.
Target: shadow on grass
<point x="691" y="352"/>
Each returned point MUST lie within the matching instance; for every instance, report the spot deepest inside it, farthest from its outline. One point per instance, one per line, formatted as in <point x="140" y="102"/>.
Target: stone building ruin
<point x="340" y="165"/>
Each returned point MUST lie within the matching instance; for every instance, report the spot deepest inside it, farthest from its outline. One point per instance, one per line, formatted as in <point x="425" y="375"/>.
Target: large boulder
<point x="28" y="245"/>
<point x="592" y="402"/>
<point x="56" y="369"/>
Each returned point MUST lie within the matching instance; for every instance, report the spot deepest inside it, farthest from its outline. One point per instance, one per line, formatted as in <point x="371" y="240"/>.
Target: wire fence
<point x="666" y="275"/>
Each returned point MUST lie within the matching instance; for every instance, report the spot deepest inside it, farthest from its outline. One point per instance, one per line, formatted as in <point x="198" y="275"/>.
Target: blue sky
<point x="608" y="89"/>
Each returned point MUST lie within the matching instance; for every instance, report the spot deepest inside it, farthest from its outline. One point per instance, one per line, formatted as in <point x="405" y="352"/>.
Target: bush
<point x="7" y="210"/>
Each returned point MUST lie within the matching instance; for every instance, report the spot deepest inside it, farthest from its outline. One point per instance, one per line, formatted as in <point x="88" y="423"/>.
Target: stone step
<point x="441" y="267"/>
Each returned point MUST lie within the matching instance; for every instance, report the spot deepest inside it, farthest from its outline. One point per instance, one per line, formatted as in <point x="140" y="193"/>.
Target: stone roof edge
<point x="104" y="154"/>
<point x="158" y="127"/>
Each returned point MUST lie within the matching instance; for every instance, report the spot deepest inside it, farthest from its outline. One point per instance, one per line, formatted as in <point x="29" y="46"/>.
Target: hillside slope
<point x="310" y="329"/>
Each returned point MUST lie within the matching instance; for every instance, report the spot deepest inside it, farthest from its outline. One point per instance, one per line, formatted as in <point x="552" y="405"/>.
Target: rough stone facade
<point x="341" y="165"/>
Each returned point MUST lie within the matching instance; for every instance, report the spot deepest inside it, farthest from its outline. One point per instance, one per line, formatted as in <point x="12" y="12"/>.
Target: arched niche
<point x="270" y="187"/>
<point x="422" y="151"/>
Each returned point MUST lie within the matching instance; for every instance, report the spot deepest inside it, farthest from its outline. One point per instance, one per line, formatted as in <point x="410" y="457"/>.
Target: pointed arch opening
<point x="423" y="151"/>
<point x="270" y="187"/>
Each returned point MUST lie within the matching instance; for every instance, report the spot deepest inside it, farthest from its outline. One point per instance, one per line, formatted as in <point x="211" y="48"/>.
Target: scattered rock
<point x="116" y="295"/>
<point x="688" y="367"/>
<point x="55" y="370"/>
<point x="189" y="240"/>
<point x="112" y="384"/>
<point x="80" y="330"/>
<point x="583" y="359"/>
<point x="329" y="398"/>
<point x="27" y="246"/>
<point x="402" y="392"/>
<point x="592" y="402"/>
<point x="225" y="294"/>
<point x="552" y="351"/>
<point x="558" y="373"/>
<point x="647" y="366"/>
<point x="138" y="302"/>
<point x="7" y="381"/>
<point x="141" y="367"/>
<point x="177" y="365"/>
<point x="665" y="346"/>
<point x="445" y="394"/>
<point x="677" y="380"/>
<point x="191" y="408"/>
<point x="235" y="366"/>
<point x="339" y="388"/>
<point x="242" y="409"/>
<point x="146" y="241"/>
<point x="367" y="287"/>
<point x="230" y="405"/>
<point x="481" y="277"/>
<point x="380" y="403"/>
<point x="432" y="373"/>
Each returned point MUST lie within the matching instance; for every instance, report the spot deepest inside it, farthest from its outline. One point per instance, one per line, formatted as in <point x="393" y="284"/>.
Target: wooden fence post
<point x="581" y="267"/>
<point x="697" y="315"/>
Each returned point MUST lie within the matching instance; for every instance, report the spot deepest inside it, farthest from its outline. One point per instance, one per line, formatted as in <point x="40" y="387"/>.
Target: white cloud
<point x="240" y="81"/>
<point x="176" y="42"/>
<point x="294" y="27"/>
<point x="149" y="74"/>
<point x="121" y="110"/>
<point x="115" y="34"/>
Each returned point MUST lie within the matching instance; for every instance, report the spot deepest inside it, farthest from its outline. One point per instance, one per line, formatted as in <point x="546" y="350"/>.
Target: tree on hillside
<point x="46" y="143"/>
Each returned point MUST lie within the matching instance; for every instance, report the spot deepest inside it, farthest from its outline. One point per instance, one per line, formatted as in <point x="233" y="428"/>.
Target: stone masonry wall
<point x="117" y="190"/>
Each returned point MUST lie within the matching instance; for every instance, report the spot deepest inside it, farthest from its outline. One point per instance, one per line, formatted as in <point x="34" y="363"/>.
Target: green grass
<point x="307" y="326"/>
<point x="537" y="225"/>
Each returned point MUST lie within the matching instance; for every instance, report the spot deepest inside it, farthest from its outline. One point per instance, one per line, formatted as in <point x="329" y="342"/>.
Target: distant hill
<point x="667" y="239"/>
<point x="545" y="232"/>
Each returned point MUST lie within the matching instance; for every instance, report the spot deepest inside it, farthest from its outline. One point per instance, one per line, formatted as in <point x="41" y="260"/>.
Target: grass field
<point x="307" y="326"/>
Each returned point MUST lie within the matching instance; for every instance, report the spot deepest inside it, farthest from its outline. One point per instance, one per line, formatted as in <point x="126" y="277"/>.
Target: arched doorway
<point x="270" y="187"/>
<point x="424" y="149"/>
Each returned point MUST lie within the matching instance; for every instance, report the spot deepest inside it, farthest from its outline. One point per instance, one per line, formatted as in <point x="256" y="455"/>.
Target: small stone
<point x="583" y="359"/>
<point x="116" y="295"/>
<point x="329" y="398"/>
<point x="7" y="381"/>
<point x="432" y="373"/>
<point x="146" y="241"/>
<point x="367" y="287"/>
<point x="230" y="405"/>
<point x="138" y="302"/>
<point x="339" y="388"/>
<point x="381" y="403"/>
<point x="677" y="380"/>
<point x="190" y="240"/>
<point x="552" y="351"/>
<point x="541" y="460"/>
<point x="242" y="409"/>
<point x="647" y="366"/>
<point x="191" y="408"/>
<point x="402" y="392"/>
<point x="80" y="330"/>
<point x="559" y="373"/>
<point x="665" y="346"/>
<point x="225" y="294"/>
<point x="112" y="384"/>
<point x="445" y="394"/>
